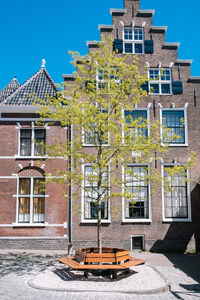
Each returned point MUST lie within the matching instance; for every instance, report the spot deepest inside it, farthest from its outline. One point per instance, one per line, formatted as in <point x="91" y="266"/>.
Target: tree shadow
<point x="66" y="274"/>
<point x="21" y="264"/>
<point x="176" y="241"/>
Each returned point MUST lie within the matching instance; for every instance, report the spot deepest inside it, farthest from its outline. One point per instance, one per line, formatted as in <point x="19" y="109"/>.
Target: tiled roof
<point x="40" y="85"/>
<point x="9" y="89"/>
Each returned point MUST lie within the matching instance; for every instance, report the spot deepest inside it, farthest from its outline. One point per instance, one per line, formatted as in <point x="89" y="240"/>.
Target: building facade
<point x="33" y="218"/>
<point x="163" y="220"/>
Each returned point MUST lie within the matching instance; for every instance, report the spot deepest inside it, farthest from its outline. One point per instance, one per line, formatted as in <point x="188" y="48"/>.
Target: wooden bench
<point x="112" y="261"/>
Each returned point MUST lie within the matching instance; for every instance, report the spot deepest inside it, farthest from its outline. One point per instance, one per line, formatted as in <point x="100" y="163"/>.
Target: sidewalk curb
<point x="164" y="288"/>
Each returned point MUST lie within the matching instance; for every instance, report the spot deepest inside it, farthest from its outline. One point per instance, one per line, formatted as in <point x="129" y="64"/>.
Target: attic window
<point x="133" y="40"/>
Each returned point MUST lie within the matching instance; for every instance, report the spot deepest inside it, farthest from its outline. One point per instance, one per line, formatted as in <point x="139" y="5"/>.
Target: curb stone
<point x="164" y="288"/>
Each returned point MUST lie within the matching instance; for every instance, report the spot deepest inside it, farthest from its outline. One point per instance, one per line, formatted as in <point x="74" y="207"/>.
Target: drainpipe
<point x="70" y="192"/>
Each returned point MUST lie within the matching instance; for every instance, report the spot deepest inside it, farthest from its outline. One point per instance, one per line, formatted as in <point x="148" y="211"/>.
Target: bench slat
<point x="133" y="262"/>
<point x="100" y="259"/>
<point x="125" y="252"/>
<point x="122" y="258"/>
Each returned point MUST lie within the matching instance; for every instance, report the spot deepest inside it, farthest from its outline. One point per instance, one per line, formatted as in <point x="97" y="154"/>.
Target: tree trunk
<point x="99" y="236"/>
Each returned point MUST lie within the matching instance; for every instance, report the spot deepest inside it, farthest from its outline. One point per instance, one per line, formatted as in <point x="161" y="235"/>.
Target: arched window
<point x="31" y="196"/>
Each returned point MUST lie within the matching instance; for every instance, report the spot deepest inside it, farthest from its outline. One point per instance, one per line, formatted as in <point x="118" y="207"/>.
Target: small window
<point x="32" y="142"/>
<point x="160" y="81"/>
<point x="137" y="242"/>
<point x="31" y="200"/>
<point x="133" y="40"/>
<point x="174" y="121"/>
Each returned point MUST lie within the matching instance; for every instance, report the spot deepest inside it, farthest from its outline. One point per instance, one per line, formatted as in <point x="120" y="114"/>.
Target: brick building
<point x="30" y="218"/>
<point x="163" y="220"/>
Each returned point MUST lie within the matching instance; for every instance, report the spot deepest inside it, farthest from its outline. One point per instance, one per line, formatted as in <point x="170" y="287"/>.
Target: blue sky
<point x="32" y="30"/>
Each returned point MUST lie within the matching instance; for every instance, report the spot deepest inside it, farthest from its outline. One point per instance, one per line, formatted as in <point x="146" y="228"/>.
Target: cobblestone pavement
<point x="182" y="271"/>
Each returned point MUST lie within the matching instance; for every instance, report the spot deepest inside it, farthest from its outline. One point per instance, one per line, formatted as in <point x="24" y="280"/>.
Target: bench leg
<point x="86" y="274"/>
<point x="113" y="274"/>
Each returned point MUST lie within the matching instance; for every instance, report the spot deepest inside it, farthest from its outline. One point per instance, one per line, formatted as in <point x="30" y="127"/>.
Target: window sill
<point x="92" y="145"/>
<point x="136" y="221"/>
<point x="171" y="220"/>
<point x="175" y="145"/>
<point x="29" y="157"/>
<point x="95" y="221"/>
<point x="160" y="94"/>
<point x="28" y="224"/>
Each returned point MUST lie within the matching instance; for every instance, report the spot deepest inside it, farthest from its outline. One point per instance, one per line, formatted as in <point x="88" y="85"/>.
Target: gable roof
<point x="40" y="86"/>
<point x="9" y="89"/>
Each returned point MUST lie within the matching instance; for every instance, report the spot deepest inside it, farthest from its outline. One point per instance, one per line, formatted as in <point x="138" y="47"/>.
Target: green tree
<point x="98" y="106"/>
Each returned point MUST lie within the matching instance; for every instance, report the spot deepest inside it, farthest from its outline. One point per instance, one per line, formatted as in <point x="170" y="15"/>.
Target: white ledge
<point x="100" y="26"/>
<point x="68" y="76"/>
<point x="147" y="11"/>
<point x="117" y="10"/>
<point x="184" y="61"/>
<point x="93" y="43"/>
<point x="194" y="78"/>
<point x="159" y="28"/>
<point x="171" y="44"/>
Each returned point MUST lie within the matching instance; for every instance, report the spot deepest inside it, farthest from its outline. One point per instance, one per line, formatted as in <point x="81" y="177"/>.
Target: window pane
<point x="128" y="34"/>
<point x="91" y="195"/>
<point x="38" y="210"/>
<point x="25" y="142"/>
<point x="175" y="196"/>
<point x="128" y="48"/>
<point x="166" y="75"/>
<point x="165" y="88"/>
<point x="138" y="48"/>
<point x="24" y="210"/>
<point x="136" y="186"/>
<point x="154" y="74"/>
<point x="40" y="136"/>
<point x="24" y="186"/>
<point x="154" y="88"/>
<point x="138" y="34"/>
<point x="39" y="186"/>
<point x="173" y="120"/>
<point x="141" y="116"/>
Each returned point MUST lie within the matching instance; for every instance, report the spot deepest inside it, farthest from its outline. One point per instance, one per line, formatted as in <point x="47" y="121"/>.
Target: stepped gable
<point x="9" y="89"/>
<point x="40" y="86"/>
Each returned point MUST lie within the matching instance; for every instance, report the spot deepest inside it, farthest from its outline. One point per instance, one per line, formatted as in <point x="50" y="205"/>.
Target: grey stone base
<point x="149" y="245"/>
<point x="34" y="243"/>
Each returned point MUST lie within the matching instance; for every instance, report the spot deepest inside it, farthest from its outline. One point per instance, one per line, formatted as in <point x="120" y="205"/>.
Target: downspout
<point x="70" y="191"/>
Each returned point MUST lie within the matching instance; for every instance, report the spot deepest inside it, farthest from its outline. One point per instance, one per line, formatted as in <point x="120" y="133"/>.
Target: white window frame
<point x="184" y="109"/>
<point x="189" y="219"/>
<point x="159" y="81"/>
<point x="32" y="128"/>
<point x="136" y="220"/>
<point x="83" y="220"/>
<point x="98" y="81"/>
<point x="148" y="119"/>
<point x="92" y="145"/>
<point x="133" y="41"/>
<point x="31" y="196"/>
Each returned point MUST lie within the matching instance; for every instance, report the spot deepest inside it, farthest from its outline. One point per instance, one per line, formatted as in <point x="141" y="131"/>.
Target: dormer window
<point x="160" y="81"/>
<point x="133" y="40"/>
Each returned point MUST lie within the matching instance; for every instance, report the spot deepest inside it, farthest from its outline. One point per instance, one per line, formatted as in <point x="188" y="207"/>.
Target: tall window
<point x="90" y="194"/>
<point x="133" y="40"/>
<point x="31" y="200"/>
<point x="136" y="202"/>
<point x="160" y="81"/>
<point x="140" y="116"/>
<point x="32" y="142"/>
<point x="175" y="196"/>
<point x="173" y="120"/>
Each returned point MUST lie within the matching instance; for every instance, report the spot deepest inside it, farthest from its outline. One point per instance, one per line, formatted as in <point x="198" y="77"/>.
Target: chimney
<point x="132" y="6"/>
